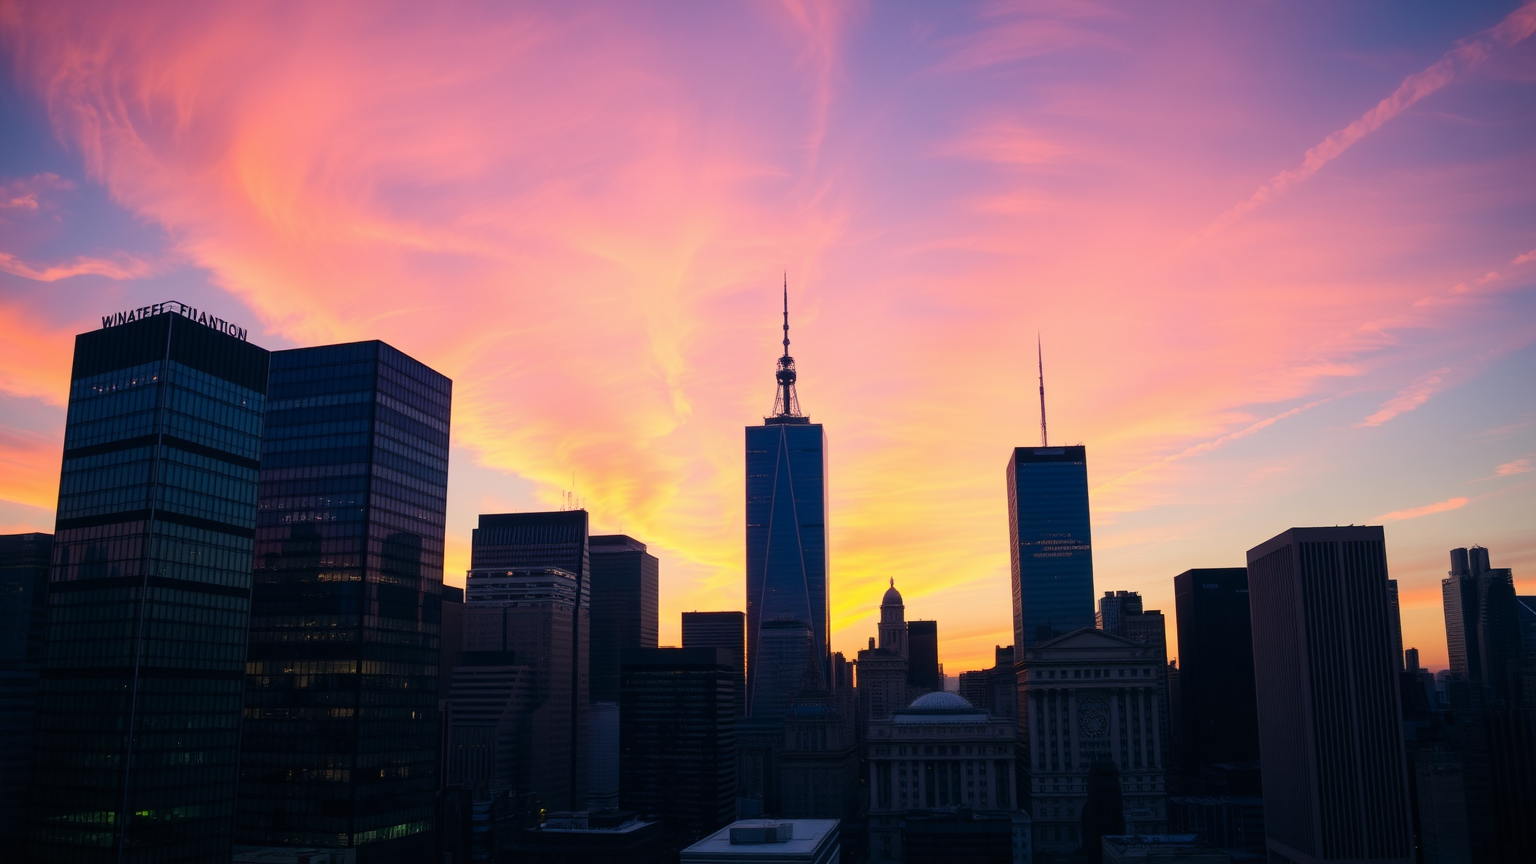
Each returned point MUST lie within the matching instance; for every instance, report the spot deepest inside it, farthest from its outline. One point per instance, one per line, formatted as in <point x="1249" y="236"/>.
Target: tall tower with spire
<point x="1050" y="544"/>
<point x="786" y="488"/>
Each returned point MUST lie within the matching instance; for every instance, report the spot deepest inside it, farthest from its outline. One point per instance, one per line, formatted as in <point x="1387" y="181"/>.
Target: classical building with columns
<point x="1086" y="695"/>
<point x="940" y="751"/>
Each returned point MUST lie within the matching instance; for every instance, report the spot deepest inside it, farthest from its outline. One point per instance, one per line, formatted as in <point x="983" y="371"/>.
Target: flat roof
<point x="808" y="838"/>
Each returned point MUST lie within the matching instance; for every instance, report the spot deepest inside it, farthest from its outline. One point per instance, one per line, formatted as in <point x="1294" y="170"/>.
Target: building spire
<point x="785" y="402"/>
<point x="1040" y="358"/>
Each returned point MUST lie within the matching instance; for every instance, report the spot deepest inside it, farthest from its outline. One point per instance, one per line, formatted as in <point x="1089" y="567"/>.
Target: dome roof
<point x="940" y="707"/>
<point x="892" y="596"/>
<point x="941" y="701"/>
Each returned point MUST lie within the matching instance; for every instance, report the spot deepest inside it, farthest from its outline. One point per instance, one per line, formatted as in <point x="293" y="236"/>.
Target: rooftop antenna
<point x="785" y="402"/>
<point x="1040" y="358"/>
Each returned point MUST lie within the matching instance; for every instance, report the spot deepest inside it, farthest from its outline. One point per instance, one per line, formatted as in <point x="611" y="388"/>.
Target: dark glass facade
<point x="1050" y="544"/>
<point x="923" y="656"/>
<point x="1220" y="717"/>
<point x="721" y="630"/>
<point x="341" y="737"/>
<point x="677" y="740"/>
<point x="521" y="542"/>
<point x="137" y="750"/>
<point x="23" y="622"/>
<point x="1330" y="734"/>
<point x="786" y="539"/>
<point x="625" y="582"/>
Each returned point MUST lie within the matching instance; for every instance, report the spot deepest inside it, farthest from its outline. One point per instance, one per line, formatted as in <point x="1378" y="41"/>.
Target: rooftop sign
<point x="179" y="308"/>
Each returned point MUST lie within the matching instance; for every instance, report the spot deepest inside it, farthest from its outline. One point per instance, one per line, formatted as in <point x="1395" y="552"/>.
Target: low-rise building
<point x="767" y="841"/>
<point x="940" y="751"/>
<point x="586" y="837"/>
<point x="1161" y="849"/>
<point x="963" y="834"/>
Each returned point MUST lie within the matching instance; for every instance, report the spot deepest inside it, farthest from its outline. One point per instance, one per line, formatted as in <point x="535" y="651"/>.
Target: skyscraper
<point x="1220" y="715"/>
<point x="624" y="596"/>
<point x="923" y="656"/>
<point x="726" y="630"/>
<point x="137" y="752"/>
<point x="786" y="534"/>
<point x="677" y="738"/>
<point x="1335" y="780"/>
<point x="342" y="675"/>
<point x="23" y="623"/>
<point x="1050" y="546"/>
<point x="529" y="593"/>
<point x="1482" y="631"/>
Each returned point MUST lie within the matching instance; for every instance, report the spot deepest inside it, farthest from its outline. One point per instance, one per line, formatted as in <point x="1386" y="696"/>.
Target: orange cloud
<point x="1426" y="510"/>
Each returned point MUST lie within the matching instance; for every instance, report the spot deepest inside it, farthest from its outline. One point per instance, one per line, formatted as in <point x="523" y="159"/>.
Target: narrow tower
<point x="786" y="534"/>
<point x="1040" y="359"/>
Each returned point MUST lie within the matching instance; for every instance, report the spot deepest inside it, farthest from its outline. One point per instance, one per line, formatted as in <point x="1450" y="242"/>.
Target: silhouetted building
<point x="1231" y="823"/>
<point x="993" y="690"/>
<point x="726" y="630"/>
<point x="1335" y="784"/>
<point x="1395" y="622"/>
<point x="1082" y="696"/>
<point x="786" y="462"/>
<point x="1104" y="811"/>
<point x="963" y="834"/>
<point x="940" y="751"/>
<point x="883" y="677"/>
<point x="1049" y="543"/>
<point x="593" y="837"/>
<point x="677" y="739"/>
<point x="1219" y="715"/>
<point x="524" y="617"/>
<point x="24" y="560"/>
<point x="818" y="762"/>
<point x="1121" y="613"/>
<point x="149" y="593"/>
<point x="491" y="700"/>
<point x="624" y="596"/>
<point x="341" y="696"/>
<point x="603" y="757"/>
<point x="1482" y="625"/>
<point x="923" y="670"/>
<point x="529" y="592"/>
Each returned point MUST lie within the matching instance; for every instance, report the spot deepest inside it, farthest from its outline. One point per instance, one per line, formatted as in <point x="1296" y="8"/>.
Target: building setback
<point x="23" y="623"/>
<point x="624" y="598"/>
<point x="677" y="739"/>
<point x="521" y="546"/>
<point x="1335" y="779"/>
<point x="1050" y="546"/>
<point x="340" y="742"/>
<point x="136" y="756"/>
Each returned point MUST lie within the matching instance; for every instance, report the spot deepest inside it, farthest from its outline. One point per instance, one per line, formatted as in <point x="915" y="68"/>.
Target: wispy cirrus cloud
<point x="121" y="266"/>
<point x="1426" y="510"/>
<point x="1407" y="399"/>
<point x="1470" y="54"/>
<point x="27" y="193"/>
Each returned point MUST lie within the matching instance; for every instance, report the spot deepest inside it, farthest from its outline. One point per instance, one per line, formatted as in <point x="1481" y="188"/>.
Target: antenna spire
<point x="1040" y="358"/>
<point x="785" y="402"/>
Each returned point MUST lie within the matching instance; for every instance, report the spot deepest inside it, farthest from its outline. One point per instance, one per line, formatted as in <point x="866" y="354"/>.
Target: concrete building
<point x="818" y="762"/>
<point x="765" y="841"/>
<point x="883" y="683"/>
<point x="1330" y="731"/>
<point x="1082" y="696"/>
<point x="592" y="837"/>
<point x="963" y="834"/>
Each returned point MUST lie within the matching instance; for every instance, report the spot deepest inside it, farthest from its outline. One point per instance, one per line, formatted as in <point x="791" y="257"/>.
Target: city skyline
<point x="1227" y="385"/>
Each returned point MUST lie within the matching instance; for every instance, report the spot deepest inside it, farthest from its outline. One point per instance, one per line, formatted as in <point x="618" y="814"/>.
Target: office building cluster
<point x="237" y="645"/>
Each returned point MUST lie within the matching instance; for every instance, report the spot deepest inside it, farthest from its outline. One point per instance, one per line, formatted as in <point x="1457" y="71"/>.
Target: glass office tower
<point x="1049" y="543"/>
<point x="625" y="582"/>
<point x="341" y="735"/>
<point x="786" y="525"/>
<point x="137" y="751"/>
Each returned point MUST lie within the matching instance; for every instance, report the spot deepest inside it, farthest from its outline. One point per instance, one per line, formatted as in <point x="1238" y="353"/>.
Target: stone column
<point x="1072" y="736"/>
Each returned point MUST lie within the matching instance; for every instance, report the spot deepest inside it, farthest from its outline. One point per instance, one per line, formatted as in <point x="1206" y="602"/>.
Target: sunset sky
<point x="1281" y="256"/>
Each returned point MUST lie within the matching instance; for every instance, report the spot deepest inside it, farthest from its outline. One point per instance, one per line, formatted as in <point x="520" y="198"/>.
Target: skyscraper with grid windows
<point x="139" y="698"/>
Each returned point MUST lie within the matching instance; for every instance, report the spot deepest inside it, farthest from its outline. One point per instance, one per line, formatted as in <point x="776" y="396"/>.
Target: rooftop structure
<point x="803" y="841"/>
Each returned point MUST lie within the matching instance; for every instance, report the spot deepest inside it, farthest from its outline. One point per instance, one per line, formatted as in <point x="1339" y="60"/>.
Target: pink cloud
<point x="122" y="266"/>
<point x="23" y="193"/>
<point x="1409" y="398"/>
<point x="1426" y="510"/>
<point x="1513" y="467"/>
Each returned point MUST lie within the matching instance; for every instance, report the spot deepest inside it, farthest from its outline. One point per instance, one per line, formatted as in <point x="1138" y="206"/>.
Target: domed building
<point x="940" y="751"/>
<point x="883" y="668"/>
